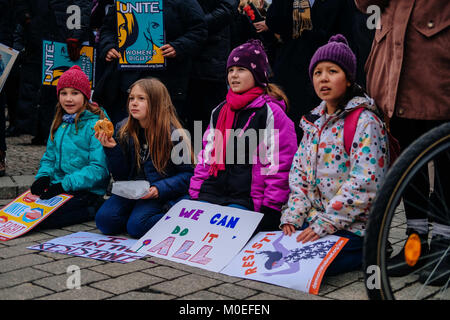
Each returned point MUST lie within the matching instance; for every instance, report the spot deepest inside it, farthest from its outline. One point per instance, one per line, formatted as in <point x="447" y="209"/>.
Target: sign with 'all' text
<point x="199" y="234"/>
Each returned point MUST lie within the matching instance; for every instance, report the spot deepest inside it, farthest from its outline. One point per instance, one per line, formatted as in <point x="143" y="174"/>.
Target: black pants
<point x="417" y="194"/>
<point x="81" y="208"/>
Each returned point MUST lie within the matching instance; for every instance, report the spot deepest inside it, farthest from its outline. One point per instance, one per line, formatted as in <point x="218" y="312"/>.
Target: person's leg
<point x="145" y="214"/>
<point x="350" y="257"/>
<point x="113" y="215"/>
<point x="81" y="208"/>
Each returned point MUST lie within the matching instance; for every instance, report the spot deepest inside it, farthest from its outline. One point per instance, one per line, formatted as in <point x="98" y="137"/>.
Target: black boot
<point x="438" y="247"/>
<point x="2" y="163"/>
<point x="398" y="266"/>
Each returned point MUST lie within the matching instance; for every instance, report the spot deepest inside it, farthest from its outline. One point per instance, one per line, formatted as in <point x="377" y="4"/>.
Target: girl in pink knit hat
<point x="74" y="162"/>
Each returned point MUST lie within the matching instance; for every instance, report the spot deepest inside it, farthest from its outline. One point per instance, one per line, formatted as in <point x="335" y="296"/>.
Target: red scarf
<point x="235" y="102"/>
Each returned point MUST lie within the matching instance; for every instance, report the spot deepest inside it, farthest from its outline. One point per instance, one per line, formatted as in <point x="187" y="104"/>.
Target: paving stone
<point x="8" y="188"/>
<point x="233" y="291"/>
<point x="60" y="267"/>
<point x="266" y="296"/>
<point x="134" y="295"/>
<point x="78" y="228"/>
<point x="19" y="276"/>
<point x="353" y="291"/>
<point x="56" y="233"/>
<point x="128" y="282"/>
<point x="23" y="183"/>
<point x="24" y="291"/>
<point x="277" y="290"/>
<point x="17" y="250"/>
<point x="84" y="293"/>
<point x="59" y="283"/>
<point x="185" y="285"/>
<point x="343" y="279"/>
<point x="204" y="295"/>
<point x="32" y="236"/>
<point x="22" y="262"/>
<point x="165" y="272"/>
<point x="115" y="269"/>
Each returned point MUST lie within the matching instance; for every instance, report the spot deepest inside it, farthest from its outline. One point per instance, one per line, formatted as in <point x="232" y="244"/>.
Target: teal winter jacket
<point x="75" y="158"/>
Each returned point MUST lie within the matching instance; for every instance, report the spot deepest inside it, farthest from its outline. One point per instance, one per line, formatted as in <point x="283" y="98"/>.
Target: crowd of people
<point x="296" y="75"/>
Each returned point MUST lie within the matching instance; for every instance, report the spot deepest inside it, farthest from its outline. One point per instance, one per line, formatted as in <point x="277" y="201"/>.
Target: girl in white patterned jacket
<point x="331" y="189"/>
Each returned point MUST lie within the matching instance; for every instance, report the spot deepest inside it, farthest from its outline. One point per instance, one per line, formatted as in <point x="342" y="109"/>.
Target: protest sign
<point x="140" y="29"/>
<point x="55" y="60"/>
<point x="93" y="246"/>
<point x="7" y="58"/>
<point x="278" y="259"/>
<point x="26" y="212"/>
<point x="199" y="234"/>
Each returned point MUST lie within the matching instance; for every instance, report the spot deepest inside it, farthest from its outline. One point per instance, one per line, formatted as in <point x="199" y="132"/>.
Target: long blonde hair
<point x="161" y="120"/>
<point x="57" y="120"/>
<point x="276" y="92"/>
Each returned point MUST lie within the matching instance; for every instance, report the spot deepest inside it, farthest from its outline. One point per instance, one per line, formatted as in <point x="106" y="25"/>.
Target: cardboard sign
<point x="199" y="234"/>
<point x="26" y="212"/>
<point x="140" y="29"/>
<point x="7" y="58"/>
<point x="92" y="246"/>
<point x="55" y="60"/>
<point x="278" y="259"/>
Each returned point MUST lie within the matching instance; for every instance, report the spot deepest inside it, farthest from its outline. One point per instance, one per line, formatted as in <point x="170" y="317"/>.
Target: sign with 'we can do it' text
<point x="199" y="234"/>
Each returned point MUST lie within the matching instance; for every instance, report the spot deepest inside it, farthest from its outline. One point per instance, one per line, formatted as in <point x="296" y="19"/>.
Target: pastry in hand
<point x="104" y="126"/>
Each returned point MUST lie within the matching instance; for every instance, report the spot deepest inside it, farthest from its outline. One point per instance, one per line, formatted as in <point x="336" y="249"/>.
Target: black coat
<point x="328" y="17"/>
<point x="210" y="63"/>
<point x="48" y="20"/>
<point x="185" y="29"/>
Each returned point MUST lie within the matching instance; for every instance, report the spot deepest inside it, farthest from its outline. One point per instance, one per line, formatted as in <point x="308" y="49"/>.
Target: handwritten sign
<point x="55" y="61"/>
<point x="93" y="246"/>
<point x="199" y="234"/>
<point x="25" y="212"/>
<point x="278" y="259"/>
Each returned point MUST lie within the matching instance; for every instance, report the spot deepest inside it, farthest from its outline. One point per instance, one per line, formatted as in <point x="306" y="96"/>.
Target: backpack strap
<point x="350" y="123"/>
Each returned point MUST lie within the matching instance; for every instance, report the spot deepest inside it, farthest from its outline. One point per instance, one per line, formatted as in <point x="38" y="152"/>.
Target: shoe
<point x="12" y="131"/>
<point x="438" y="246"/>
<point x="401" y="265"/>
<point x="2" y="163"/>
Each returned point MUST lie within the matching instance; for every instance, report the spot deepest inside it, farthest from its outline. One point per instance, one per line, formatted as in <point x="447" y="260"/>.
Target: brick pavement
<point x="34" y="275"/>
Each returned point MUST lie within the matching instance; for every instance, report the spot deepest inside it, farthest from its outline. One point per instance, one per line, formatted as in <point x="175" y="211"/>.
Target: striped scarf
<point x="301" y="15"/>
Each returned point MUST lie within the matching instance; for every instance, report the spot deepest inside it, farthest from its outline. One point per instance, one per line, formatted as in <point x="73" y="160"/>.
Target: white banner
<point x="93" y="246"/>
<point x="199" y="234"/>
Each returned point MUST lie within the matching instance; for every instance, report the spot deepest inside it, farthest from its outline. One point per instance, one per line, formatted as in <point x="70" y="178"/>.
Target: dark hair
<point x="355" y="90"/>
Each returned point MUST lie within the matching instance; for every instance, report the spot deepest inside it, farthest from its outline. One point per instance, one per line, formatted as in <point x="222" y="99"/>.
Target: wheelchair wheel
<point x="419" y="181"/>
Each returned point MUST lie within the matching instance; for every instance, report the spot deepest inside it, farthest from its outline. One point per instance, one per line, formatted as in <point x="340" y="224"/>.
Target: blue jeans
<point x="135" y="217"/>
<point x="351" y="255"/>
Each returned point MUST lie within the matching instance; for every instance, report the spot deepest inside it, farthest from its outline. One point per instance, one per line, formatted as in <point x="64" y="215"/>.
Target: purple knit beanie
<point x="336" y="51"/>
<point x="251" y="55"/>
<point x="75" y="78"/>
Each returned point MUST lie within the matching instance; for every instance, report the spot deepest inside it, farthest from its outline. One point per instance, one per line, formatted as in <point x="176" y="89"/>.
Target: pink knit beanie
<point x="75" y="78"/>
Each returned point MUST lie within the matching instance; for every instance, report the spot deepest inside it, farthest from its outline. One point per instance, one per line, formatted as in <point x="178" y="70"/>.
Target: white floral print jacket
<point x="330" y="189"/>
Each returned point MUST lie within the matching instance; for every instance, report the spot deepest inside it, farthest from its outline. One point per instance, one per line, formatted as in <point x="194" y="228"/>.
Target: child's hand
<point x="153" y="193"/>
<point x="307" y="235"/>
<point x="288" y="229"/>
<point x="104" y="140"/>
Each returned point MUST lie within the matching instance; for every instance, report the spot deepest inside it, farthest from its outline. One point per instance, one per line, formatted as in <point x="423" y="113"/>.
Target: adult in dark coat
<point x="185" y="32"/>
<point x="44" y="19"/>
<point x="207" y="85"/>
<point x="291" y="66"/>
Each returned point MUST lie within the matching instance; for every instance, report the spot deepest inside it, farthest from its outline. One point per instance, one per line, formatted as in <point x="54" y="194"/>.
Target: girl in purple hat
<point x="249" y="143"/>
<point x="333" y="181"/>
